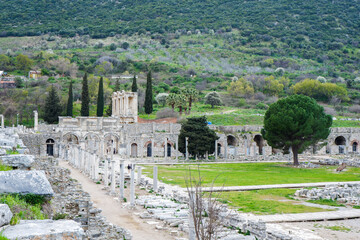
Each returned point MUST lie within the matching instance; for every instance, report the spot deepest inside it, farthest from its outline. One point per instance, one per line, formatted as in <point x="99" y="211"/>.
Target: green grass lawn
<point x="270" y="201"/>
<point x="244" y="174"/>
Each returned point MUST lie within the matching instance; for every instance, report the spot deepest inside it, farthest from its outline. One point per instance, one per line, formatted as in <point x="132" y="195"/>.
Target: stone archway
<point x="50" y="147"/>
<point x="354" y="147"/>
<point x="148" y="150"/>
<point x="259" y="142"/>
<point x="231" y="143"/>
<point x="71" y="138"/>
<point x="341" y="142"/>
<point x="134" y="150"/>
<point x="218" y="149"/>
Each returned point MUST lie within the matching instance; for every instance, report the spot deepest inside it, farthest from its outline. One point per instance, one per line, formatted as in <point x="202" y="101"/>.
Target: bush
<point x="242" y="102"/>
<point x="58" y="216"/>
<point x="166" y="113"/>
<point x="262" y="105"/>
<point x="259" y="96"/>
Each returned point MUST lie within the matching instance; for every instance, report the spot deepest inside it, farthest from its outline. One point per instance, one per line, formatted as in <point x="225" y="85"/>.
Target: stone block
<point x="25" y="182"/>
<point x="45" y="229"/>
<point x="2" y="152"/>
<point x="19" y="161"/>
<point x="5" y="215"/>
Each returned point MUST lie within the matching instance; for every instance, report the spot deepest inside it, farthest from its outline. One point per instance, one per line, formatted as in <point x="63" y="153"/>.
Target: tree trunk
<point x="295" y="153"/>
<point x="180" y="110"/>
<point x="190" y="102"/>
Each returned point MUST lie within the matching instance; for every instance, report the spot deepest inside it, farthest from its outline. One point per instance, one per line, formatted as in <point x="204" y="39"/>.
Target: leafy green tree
<point x="117" y="85"/>
<point x="69" y="107"/>
<point x="100" y="99"/>
<point x="116" y="89"/>
<point x="161" y="98"/>
<point x="241" y="87"/>
<point x="201" y="137"/>
<point x="213" y="98"/>
<point x="85" y="100"/>
<point x="19" y="83"/>
<point x="134" y="85"/>
<point x="148" y="95"/>
<point x="52" y="107"/>
<point x="23" y="62"/>
<point x="191" y="95"/>
<point x="297" y="122"/>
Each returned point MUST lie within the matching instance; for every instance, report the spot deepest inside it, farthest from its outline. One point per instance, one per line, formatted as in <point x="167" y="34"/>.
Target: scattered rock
<point x="5" y="215"/>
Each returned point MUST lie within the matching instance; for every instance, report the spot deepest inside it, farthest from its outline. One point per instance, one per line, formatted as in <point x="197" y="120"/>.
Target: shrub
<point x="166" y="113"/>
<point x="259" y="96"/>
<point x="262" y="105"/>
<point x="58" y="216"/>
<point x="242" y="102"/>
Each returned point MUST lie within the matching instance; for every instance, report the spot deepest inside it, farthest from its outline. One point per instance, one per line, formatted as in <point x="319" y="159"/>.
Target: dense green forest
<point x="320" y="22"/>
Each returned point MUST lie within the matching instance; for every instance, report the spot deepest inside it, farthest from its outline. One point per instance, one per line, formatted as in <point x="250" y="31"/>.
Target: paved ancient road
<point x="113" y="211"/>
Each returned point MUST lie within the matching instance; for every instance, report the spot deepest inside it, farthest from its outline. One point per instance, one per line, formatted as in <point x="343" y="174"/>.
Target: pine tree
<point x="134" y="85"/>
<point x="100" y="99"/>
<point x="52" y="107"/>
<point x="85" y="100"/>
<point x="148" y="95"/>
<point x="69" y="108"/>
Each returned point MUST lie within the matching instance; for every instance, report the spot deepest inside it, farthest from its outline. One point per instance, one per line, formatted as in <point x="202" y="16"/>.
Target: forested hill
<point x="314" y="20"/>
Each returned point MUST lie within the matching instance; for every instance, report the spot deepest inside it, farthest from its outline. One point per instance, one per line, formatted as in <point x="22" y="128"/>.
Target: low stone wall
<point x="70" y="199"/>
<point x="335" y="162"/>
<point x="348" y="193"/>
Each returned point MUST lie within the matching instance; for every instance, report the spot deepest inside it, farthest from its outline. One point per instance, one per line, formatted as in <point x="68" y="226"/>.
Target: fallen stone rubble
<point x="336" y="162"/>
<point x="348" y="193"/>
<point x="171" y="208"/>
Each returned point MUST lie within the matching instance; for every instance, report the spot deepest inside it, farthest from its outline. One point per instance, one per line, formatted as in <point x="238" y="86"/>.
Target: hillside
<point x="313" y="21"/>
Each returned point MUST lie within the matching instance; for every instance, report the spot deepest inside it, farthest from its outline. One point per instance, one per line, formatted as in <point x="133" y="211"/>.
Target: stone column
<point x="132" y="186"/>
<point x="60" y="151"/>
<point x="186" y="148"/>
<point x="165" y="149"/>
<point x="113" y="178"/>
<point x="106" y="172"/>
<point x="114" y="104"/>
<point x="138" y="175"/>
<point x="192" y="235"/>
<point x="152" y="149"/>
<point x="79" y="157"/>
<point x="155" y="179"/>
<point x="96" y="167"/>
<point x="122" y="180"/>
<point x="177" y="148"/>
<point x="226" y="150"/>
<point x="36" y="121"/>
<point x="2" y="121"/>
<point x="216" y="149"/>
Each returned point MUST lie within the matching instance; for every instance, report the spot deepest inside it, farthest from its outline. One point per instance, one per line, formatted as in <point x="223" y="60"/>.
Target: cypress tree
<point x="148" y="95"/>
<point x="52" y="107"/>
<point x="69" y="107"/>
<point x="100" y="99"/>
<point x="85" y="100"/>
<point x="134" y="85"/>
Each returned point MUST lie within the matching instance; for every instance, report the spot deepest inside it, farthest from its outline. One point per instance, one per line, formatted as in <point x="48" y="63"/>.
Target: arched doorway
<point x="341" y="142"/>
<point x="259" y="142"/>
<point x="134" y="150"/>
<point x="231" y="143"/>
<point x="149" y="150"/>
<point x="168" y="150"/>
<point x="50" y="147"/>
<point x="354" y="146"/>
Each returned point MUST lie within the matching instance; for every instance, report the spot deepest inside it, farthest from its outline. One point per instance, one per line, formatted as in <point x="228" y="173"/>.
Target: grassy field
<point x="272" y="201"/>
<point x="244" y="174"/>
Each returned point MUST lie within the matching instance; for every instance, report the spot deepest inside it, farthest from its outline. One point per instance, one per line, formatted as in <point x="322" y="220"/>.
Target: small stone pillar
<point x="2" y="121"/>
<point x="226" y="150"/>
<point x="106" y="172"/>
<point x="216" y="149"/>
<point x="186" y="148"/>
<point x="155" y="179"/>
<point x="122" y="180"/>
<point x="36" y="121"/>
<point x="79" y="157"/>
<point x="138" y="175"/>
<point x="192" y="235"/>
<point x="95" y="167"/>
<point x="152" y="149"/>
<point x="177" y="148"/>
<point x="132" y="185"/>
<point x="113" y="178"/>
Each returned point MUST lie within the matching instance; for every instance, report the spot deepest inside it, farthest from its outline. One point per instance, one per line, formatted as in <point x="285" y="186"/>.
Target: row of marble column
<point x="89" y="164"/>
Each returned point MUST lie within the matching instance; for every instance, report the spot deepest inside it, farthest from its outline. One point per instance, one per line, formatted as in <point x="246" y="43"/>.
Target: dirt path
<point x="115" y="213"/>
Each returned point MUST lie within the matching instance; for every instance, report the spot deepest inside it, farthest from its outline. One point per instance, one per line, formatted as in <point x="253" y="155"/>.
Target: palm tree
<point x="181" y="103"/>
<point x="171" y="100"/>
<point x="191" y="95"/>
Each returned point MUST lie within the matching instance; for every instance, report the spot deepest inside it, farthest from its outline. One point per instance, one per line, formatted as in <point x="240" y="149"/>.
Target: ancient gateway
<point x="121" y="134"/>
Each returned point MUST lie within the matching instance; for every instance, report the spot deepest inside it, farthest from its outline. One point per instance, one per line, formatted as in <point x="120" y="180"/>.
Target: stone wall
<point x="70" y="199"/>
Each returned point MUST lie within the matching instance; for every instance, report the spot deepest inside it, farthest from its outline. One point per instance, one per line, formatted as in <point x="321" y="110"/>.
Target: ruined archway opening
<point x="231" y="141"/>
<point x="134" y="150"/>
<point x="149" y="150"/>
<point x="50" y="147"/>
<point x="354" y="146"/>
<point x="340" y="141"/>
<point x="259" y="142"/>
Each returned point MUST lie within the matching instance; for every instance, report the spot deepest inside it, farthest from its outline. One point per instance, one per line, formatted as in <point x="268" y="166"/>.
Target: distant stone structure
<point x="124" y="106"/>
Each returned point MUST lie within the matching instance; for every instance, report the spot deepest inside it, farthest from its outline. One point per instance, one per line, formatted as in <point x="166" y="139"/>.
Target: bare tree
<point x="204" y="208"/>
